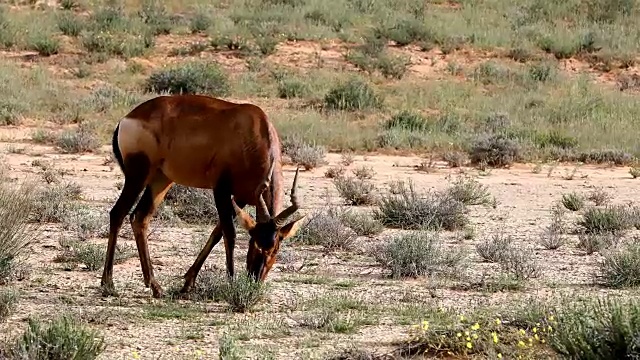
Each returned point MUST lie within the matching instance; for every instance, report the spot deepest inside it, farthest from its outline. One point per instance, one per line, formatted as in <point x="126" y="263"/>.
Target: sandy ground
<point x="524" y="201"/>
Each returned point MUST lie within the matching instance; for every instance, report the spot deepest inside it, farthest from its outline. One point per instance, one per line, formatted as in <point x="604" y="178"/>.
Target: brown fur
<point x="208" y="143"/>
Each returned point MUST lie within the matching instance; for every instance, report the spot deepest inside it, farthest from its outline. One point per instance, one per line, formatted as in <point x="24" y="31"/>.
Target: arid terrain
<point x="459" y="158"/>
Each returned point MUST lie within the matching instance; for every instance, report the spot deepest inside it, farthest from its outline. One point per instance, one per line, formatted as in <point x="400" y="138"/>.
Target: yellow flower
<point x="498" y="322"/>
<point x="499" y="356"/>
<point x="469" y="345"/>
<point x="425" y="325"/>
<point x="495" y="337"/>
<point x="550" y="328"/>
<point x="466" y="333"/>
<point x="459" y="334"/>
<point x="521" y="343"/>
<point x="530" y="340"/>
<point x="475" y="336"/>
<point x="543" y="341"/>
<point x="535" y="330"/>
<point x="521" y="331"/>
<point x="536" y="337"/>
<point x="468" y="338"/>
<point x="551" y="318"/>
<point x="136" y="355"/>
<point x="461" y="317"/>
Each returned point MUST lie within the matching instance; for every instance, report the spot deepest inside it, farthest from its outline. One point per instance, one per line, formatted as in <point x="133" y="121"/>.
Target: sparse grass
<point x="8" y="302"/>
<point x="573" y="201"/>
<point x="354" y="94"/>
<point x="599" y="196"/>
<point x="61" y="338"/>
<point x="620" y="267"/>
<point x="551" y="237"/>
<point x="242" y="293"/>
<point x="16" y="235"/>
<point x="91" y="255"/>
<point x="596" y="328"/>
<point x="612" y="219"/>
<point x="418" y="254"/>
<point x="55" y="202"/>
<point x="496" y="249"/>
<point x="80" y="139"/>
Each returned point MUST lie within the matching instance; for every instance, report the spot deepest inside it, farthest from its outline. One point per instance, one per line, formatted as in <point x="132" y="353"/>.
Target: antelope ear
<point x="245" y="220"/>
<point x="291" y="228"/>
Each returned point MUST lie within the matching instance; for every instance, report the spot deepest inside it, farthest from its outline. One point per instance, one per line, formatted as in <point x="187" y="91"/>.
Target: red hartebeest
<point x="203" y="142"/>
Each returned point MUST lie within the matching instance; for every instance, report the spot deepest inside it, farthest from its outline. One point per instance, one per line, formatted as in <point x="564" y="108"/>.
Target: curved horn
<point x="262" y="211"/>
<point x="286" y="213"/>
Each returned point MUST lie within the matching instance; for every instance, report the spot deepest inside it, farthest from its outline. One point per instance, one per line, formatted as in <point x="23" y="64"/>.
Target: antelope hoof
<point x="186" y="288"/>
<point x="108" y="289"/>
<point x="157" y="290"/>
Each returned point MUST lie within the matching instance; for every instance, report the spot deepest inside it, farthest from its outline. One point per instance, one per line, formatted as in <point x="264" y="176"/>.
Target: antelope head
<point x="267" y="231"/>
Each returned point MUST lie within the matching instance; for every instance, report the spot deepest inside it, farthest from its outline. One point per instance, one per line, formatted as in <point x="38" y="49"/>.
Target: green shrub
<point x="190" y="78"/>
<point x="353" y="95"/>
<point x="407" y="120"/>
<point x="16" y="207"/>
<point x="62" y="338"/>
<point x="8" y="303"/>
<point x="362" y="224"/>
<point x="598" y="329"/>
<point x="70" y="24"/>
<point x="326" y="230"/>
<point x="242" y="293"/>
<point x="612" y="219"/>
<point x="621" y="267"/>
<point x="573" y="201"/>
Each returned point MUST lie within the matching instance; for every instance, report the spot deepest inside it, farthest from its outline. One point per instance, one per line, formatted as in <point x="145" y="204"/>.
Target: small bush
<point x="469" y="192"/>
<point x="190" y="78"/>
<point x="81" y="139"/>
<point x="62" y="338"/>
<point x="621" y="267"/>
<point x="16" y="208"/>
<point x="551" y="237"/>
<point x="595" y="242"/>
<point x="612" y="219"/>
<point x="242" y="293"/>
<point x="308" y="155"/>
<point x="394" y="67"/>
<point x="362" y="224"/>
<point x="407" y="120"/>
<point x="327" y="230"/>
<point x="55" y="202"/>
<point x="355" y="191"/>
<point x="417" y="254"/>
<point x="334" y="172"/>
<point x="290" y="88"/>
<point x="407" y="209"/>
<point x="8" y="303"/>
<point x="599" y="197"/>
<point x="494" y="150"/>
<point x="598" y="329"/>
<point x="520" y="264"/>
<point x="200" y="23"/>
<point x="496" y="249"/>
<point x="353" y="95"/>
<point x="45" y="45"/>
<point x="191" y="205"/>
<point x="90" y="255"/>
<point x="70" y="24"/>
<point x="572" y="201"/>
